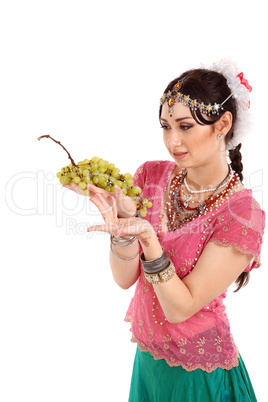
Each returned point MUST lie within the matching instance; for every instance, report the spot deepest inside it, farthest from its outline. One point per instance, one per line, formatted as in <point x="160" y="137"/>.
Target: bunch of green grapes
<point x="102" y="174"/>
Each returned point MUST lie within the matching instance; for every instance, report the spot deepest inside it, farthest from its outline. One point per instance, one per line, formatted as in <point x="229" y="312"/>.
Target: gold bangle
<point x="162" y="276"/>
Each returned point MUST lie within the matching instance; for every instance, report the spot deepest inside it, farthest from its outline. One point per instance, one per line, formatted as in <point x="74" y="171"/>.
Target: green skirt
<point x="155" y="381"/>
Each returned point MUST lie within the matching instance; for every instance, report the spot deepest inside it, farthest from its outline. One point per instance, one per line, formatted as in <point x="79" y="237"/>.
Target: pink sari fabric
<point x="204" y="340"/>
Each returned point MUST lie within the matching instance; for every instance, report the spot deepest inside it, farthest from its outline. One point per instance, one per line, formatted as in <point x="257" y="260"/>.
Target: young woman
<point x="203" y="232"/>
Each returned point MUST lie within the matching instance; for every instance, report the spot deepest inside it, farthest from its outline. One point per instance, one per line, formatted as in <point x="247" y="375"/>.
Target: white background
<point x="91" y="74"/>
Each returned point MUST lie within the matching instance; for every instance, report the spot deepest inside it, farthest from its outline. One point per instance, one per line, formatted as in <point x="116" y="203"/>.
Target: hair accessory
<point x="175" y="95"/>
<point x="240" y="91"/>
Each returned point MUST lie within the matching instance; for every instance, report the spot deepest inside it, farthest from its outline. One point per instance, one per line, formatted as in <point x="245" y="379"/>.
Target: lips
<point x="179" y="155"/>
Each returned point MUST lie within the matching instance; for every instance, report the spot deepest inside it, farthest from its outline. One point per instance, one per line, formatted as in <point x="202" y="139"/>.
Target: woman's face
<point x="190" y="144"/>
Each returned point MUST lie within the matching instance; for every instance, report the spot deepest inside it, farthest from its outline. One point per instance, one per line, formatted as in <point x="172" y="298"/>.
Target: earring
<point x="220" y="136"/>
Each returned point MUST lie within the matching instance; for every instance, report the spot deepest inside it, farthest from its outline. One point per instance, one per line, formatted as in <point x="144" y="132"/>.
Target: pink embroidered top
<point x="204" y="340"/>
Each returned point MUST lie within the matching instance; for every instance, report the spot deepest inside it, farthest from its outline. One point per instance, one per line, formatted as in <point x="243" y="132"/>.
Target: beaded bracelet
<point x="162" y="276"/>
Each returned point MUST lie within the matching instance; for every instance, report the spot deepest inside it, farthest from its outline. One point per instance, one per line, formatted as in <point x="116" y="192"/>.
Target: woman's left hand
<point x="115" y="226"/>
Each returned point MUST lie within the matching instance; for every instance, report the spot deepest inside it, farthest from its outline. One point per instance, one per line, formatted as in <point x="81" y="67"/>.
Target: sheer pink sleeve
<point x="139" y="176"/>
<point x="241" y="225"/>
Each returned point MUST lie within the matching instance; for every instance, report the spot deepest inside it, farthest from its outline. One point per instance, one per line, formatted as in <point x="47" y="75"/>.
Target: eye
<point x="186" y="127"/>
<point x="164" y="127"/>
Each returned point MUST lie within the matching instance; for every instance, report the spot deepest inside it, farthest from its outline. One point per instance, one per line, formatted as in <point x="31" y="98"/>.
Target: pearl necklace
<point x="190" y="196"/>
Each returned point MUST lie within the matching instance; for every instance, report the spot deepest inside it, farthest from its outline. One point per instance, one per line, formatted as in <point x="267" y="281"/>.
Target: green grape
<point x="143" y="212"/>
<point x="87" y="179"/>
<point x="149" y="204"/>
<point x="112" y="180"/>
<point x="95" y="159"/>
<point x="86" y="161"/>
<point x="95" y="180"/>
<point x="77" y="179"/>
<point x="86" y="191"/>
<point x="102" y="169"/>
<point x="129" y="182"/>
<point x="136" y="190"/>
<point x="118" y="183"/>
<point x="130" y="193"/>
<point x="115" y="173"/>
<point x="102" y="181"/>
<point x="85" y="172"/>
<point x="127" y="176"/>
<point x="106" y="164"/>
<point x="64" y="180"/>
<point x="111" y="166"/>
<point x="82" y="185"/>
<point x="59" y="174"/>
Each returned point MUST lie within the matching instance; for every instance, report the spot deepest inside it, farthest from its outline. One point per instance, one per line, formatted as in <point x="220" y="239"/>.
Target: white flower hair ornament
<point x="240" y="91"/>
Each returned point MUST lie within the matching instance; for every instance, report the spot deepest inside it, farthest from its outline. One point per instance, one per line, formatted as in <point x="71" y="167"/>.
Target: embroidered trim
<point x="256" y="259"/>
<point x="189" y="366"/>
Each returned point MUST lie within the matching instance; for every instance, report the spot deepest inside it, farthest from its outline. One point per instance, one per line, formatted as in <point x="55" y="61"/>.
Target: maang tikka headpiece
<point x="240" y="91"/>
<point x="175" y="95"/>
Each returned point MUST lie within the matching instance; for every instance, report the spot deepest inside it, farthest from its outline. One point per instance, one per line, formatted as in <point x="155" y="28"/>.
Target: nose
<point x="174" y="139"/>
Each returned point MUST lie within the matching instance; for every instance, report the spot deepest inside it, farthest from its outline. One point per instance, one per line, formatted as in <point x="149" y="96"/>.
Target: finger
<point x="76" y="188"/>
<point x="95" y="189"/>
<point x="114" y="207"/>
<point x="118" y="193"/>
<point x="110" y="228"/>
<point x="98" y="228"/>
<point x="105" y="209"/>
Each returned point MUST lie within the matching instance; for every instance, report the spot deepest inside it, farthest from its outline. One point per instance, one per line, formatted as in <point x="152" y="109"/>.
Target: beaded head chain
<point x="239" y="90"/>
<point x="175" y="95"/>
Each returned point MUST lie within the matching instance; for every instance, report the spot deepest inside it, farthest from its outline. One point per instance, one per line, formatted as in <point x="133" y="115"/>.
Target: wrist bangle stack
<point x="124" y="259"/>
<point x="162" y="276"/>
<point x="159" y="270"/>
<point x="116" y="240"/>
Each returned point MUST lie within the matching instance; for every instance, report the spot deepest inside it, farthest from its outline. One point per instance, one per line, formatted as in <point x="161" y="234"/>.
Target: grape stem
<point x="58" y="142"/>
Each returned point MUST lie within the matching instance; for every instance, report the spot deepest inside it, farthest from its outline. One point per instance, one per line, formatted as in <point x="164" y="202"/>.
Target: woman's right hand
<point x="126" y="207"/>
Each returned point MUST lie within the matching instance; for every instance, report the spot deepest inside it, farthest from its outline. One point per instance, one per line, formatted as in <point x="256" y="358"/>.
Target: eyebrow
<point x="179" y="119"/>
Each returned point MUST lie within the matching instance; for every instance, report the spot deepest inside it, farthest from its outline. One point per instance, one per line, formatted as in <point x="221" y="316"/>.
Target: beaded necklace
<point x="179" y="214"/>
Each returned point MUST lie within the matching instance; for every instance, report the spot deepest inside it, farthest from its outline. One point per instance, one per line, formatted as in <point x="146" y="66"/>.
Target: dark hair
<point x="211" y="87"/>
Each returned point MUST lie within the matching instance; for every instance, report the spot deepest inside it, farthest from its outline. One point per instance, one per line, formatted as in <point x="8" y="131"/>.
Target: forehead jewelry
<point x="175" y="95"/>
